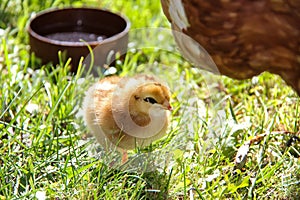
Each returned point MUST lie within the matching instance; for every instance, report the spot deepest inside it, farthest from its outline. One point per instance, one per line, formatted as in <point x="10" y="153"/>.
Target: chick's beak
<point x="167" y="106"/>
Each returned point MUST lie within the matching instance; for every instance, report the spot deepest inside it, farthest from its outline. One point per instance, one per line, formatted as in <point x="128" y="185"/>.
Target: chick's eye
<point x="150" y="100"/>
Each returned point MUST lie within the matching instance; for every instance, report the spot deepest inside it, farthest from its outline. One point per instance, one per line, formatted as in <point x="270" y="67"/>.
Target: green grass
<point x="45" y="147"/>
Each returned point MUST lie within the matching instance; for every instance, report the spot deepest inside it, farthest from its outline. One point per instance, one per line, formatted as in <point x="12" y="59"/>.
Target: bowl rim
<point x="78" y="44"/>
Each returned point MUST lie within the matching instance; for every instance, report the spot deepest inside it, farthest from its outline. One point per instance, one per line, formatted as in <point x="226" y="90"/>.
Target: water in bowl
<point x="76" y="37"/>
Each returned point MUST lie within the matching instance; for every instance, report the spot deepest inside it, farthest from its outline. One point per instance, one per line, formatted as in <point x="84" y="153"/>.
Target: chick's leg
<point x="124" y="156"/>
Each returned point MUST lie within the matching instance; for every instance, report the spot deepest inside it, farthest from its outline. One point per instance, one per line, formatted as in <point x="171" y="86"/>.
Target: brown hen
<point x="245" y="37"/>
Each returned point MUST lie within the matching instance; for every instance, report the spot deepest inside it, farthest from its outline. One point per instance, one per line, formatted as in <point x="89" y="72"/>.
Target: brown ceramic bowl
<point x="64" y="29"/>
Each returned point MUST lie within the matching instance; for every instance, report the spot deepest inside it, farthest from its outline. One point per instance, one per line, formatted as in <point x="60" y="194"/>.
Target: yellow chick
<point x="124" y="113"/>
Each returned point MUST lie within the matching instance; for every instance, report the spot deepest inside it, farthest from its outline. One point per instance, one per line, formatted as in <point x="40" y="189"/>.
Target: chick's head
<point x="151" y="96"/>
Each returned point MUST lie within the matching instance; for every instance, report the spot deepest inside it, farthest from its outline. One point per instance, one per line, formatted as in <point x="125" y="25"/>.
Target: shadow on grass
<point x="130" y="185"/>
